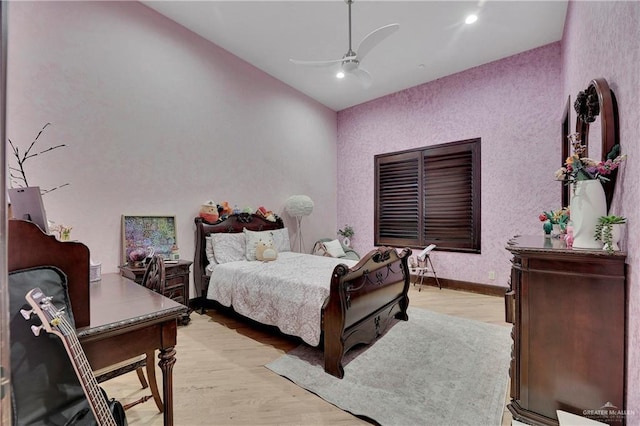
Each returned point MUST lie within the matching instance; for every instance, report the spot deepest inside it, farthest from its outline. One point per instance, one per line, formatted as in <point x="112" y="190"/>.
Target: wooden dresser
<point x="568" y="308"/>
<point x="176" y="285"/>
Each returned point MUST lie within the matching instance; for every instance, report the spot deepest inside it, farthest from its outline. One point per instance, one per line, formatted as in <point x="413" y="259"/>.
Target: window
<point x="428" y="196"/>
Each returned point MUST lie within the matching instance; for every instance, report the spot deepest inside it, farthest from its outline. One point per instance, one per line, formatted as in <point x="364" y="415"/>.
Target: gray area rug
<point x="431" y="370"/>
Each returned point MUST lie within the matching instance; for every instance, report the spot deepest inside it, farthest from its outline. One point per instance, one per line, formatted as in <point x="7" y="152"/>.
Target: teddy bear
<point x="209" y="211"/>
<point x="266" y="252"/>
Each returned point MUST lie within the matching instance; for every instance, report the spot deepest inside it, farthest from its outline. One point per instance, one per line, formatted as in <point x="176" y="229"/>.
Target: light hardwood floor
<point x="220" y="378"/>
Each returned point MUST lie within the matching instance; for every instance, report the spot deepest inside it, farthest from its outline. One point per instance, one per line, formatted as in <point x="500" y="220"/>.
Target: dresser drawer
<point x="176" y="281"/>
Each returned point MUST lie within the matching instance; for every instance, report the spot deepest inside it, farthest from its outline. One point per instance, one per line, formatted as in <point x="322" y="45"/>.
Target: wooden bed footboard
<point x="362" y="301"/>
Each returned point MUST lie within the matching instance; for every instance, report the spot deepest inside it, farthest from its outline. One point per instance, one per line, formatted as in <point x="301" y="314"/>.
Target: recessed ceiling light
<point x="471" y="19"/>
<point x="420" y="66"/>
<point x="340" y="74"/>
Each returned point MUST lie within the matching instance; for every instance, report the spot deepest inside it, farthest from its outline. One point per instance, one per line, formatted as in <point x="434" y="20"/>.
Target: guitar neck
<point x="86" y="377"/>
<point x="54" y="321"/>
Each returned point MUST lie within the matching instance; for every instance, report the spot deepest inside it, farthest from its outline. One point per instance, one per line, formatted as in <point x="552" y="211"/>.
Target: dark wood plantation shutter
<point x="451" y="200"/>
<point x="398" y="198"/>
<point x="429" y="195"/>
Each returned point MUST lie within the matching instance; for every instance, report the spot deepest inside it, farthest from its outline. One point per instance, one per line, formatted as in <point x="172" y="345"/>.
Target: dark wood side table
<point x="568" y="309"/>
<point x="176" y="285"/>
<point x="129" y="320"/>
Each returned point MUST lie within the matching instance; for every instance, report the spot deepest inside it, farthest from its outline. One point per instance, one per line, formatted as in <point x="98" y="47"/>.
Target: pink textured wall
<point x="512" y="104"/>
<point x="157" y="120"/>
<point x="601" y="39"/>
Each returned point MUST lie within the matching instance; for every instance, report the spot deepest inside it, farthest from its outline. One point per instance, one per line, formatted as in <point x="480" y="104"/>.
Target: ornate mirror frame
<point x="565" y="149"/>
<point x="598" y="101"/>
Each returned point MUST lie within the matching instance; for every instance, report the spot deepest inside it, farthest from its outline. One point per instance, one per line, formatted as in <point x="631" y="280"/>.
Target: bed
<point x="360" y="297"/>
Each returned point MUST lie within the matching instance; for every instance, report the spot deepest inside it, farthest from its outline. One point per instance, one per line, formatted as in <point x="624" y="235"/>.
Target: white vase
<point x="346" y="241"/>
<point x="616" y="234"/>
<point x="588" y="203"/>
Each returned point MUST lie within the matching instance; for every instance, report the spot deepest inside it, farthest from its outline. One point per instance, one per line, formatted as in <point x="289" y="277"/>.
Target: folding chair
<point x="425" y="267"/>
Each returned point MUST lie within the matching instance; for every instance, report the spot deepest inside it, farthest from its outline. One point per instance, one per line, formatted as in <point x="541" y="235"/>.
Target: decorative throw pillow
<point x="266" y="252"/>
<point x="334" y="248"/>
<point x="281" y="239"/>
<point x="228" y="247"/>
<point x="320" y="250"/>
<point x="252" y="238"/>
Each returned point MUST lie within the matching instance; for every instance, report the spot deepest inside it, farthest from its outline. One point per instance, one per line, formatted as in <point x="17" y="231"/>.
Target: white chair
<point x="425" y="266"/>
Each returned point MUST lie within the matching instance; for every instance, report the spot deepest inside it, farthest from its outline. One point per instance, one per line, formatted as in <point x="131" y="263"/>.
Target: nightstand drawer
<point x="176" y="281"/>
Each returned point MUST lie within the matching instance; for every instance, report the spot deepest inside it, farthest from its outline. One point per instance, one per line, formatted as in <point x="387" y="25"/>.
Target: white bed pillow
<point x="252" y="238"/>
<point x="228" y="247"/>
<point x="334" y="248"/>
<point x="209" y="249"/>
<point x="281" y="239"/>
<point x="211" y="260"/>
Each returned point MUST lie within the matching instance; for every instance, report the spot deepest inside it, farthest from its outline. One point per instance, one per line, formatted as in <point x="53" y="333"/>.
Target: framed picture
<point x="148" y="232"/>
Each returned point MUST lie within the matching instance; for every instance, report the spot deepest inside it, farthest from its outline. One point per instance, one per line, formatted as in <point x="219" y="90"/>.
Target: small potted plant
<point x="609" y="230"/>
<point x="346" y="233"/>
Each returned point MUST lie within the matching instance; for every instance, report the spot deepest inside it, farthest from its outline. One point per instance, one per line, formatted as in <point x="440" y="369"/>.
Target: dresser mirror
<point x="597" y="124"/>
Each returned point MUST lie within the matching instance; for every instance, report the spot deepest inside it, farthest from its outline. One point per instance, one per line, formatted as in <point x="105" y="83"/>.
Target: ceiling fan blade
<point x="316" y="63"/>
<point x="363" y="76"/>
<point x="373" y="38"/>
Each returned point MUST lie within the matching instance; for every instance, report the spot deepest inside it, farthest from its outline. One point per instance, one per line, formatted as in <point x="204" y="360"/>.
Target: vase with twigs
<point x="18" y="174"/>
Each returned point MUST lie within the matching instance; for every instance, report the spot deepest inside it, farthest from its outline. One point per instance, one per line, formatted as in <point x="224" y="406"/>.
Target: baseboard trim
<point x="489" y="290"/>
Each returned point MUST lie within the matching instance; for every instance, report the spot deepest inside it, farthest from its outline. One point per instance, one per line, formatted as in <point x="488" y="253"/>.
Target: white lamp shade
<point x="298" y="205"/>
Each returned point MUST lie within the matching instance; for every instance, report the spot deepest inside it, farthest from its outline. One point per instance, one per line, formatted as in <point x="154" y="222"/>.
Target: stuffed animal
<point x="225" y="209"/>
<point x="209" y="211"/>
<point x="267" y="214"/>
<point x="266" y="252"/>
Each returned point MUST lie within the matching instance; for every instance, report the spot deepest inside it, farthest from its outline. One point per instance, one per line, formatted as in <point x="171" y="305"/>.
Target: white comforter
<point x="288" y="292"/>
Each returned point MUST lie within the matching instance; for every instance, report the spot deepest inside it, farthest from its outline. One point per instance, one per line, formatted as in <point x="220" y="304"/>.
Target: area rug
<point x="434" y="369"/>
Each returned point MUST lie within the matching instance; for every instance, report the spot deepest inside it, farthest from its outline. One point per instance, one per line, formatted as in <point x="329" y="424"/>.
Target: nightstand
<point x="176" y="282"/>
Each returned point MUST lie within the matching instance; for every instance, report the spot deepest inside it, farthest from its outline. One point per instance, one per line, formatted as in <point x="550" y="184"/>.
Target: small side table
<point x="176" y="282"/>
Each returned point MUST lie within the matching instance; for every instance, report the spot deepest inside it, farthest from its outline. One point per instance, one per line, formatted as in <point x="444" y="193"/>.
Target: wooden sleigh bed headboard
<point x="232" y="224"/>
<point x="362" y="299"/>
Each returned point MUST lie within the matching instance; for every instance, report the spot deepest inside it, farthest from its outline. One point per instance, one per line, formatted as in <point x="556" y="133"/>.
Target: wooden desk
<point x="128" y="320"/>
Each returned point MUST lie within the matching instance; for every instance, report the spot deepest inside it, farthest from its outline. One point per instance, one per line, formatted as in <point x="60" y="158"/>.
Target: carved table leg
<point x="167" y="358"/>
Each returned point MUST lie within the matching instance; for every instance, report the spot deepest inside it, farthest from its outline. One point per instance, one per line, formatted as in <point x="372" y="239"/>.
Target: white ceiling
<point x="433" y="41"/>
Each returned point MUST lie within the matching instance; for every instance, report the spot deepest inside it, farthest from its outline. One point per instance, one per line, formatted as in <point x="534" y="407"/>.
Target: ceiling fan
<point x="350" y="62"/>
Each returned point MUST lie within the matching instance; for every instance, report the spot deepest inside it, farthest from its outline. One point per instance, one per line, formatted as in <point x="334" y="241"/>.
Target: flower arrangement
<point x="556" y="217"/>
<point x="63" y="231"/>
<point x="604" y="230"/>
<point x="578" y="167"/>
<point x="347" y="232"/>
<point x="552" y="218"/>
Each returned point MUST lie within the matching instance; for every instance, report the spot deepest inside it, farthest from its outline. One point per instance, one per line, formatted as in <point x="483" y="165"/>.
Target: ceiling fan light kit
<point x="350" y="61"/>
